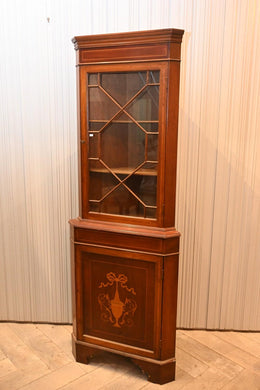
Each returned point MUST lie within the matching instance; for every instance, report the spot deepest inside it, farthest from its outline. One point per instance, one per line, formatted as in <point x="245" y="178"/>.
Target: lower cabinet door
<point x="118" y="299"/>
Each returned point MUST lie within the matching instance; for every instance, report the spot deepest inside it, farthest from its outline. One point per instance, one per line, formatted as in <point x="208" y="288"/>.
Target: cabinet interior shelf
<point x="126" y="171"/>
<point x="119" y="121"/>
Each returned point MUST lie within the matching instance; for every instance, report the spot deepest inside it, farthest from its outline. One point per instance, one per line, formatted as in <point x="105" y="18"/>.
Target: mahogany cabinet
<point x="124" y="247"/>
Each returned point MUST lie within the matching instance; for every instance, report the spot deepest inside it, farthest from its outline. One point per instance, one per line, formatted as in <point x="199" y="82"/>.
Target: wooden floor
<point x="38" y="357"/>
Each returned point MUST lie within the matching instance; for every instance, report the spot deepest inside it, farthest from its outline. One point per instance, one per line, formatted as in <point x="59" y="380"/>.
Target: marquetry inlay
<point x="113" y="308"/>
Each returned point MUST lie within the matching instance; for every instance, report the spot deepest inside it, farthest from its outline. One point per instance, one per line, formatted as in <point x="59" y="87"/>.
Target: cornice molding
<point x="128" y="38"/>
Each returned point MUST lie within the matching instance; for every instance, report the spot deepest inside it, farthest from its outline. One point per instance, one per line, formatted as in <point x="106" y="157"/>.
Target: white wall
<point x="218" y="203"/>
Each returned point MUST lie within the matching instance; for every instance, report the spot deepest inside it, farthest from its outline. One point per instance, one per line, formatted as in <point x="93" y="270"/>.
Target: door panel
<point x="122" y="138"/>
<point x="120" y="297"/>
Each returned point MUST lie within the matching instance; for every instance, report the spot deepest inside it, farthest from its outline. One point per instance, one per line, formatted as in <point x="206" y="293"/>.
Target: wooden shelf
<point x="126" y="171"/>
<point x="119" y="121"/>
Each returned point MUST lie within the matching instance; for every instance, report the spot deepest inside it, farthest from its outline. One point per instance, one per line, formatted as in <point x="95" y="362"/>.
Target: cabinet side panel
<point x="171" y="245"/>
<point x="82" y="142"/>
<point x="73" y="285"/>
<point x="170" y="286"/>
<point x="79" y="136"/>
<point x="175" y="50"/>
<point x="171" y="144"/>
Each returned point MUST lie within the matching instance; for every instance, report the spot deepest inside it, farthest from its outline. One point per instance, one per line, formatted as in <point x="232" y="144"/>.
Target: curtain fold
<point x="218" y="184"/>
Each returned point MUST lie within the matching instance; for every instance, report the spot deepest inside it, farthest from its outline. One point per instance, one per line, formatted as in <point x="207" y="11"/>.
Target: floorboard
<point x="38" y="356"/>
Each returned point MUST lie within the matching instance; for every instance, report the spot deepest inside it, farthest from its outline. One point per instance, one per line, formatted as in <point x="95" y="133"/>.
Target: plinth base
<point x="157" y="371"/>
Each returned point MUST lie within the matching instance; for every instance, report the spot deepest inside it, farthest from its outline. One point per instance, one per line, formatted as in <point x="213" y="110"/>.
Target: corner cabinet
<point x="124" y="247"/>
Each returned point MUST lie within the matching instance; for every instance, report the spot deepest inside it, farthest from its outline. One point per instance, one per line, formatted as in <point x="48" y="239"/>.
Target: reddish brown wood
<point x="157" y="371"/>
<point x="134" y="38"/>
<point x="84" y="185"/>
<point x="169" y="299"/>
<point x="171" y="144"/>
<point x="82" y="139"/>
<point x="140" y="52"/>
<point x="137" y="238"/>
<point x="125" y="263"/>
<point x="80" y="166"/>
<point x="82" y="352"/>
<point x="139" y="328"/>
<point x="73" y="282"/>
<point x="168" y="119"/>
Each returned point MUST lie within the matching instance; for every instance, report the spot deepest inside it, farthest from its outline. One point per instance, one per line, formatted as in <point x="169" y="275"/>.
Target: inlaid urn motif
<point x="113" y="308"/>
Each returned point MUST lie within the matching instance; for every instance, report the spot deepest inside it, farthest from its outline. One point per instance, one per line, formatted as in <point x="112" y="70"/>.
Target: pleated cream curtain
<point x="218" y="186"/>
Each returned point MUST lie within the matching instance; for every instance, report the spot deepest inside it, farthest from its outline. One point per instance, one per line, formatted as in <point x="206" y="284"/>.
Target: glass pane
<point x="146" y="106"/>
<point x="122" y="118"/>
<point x="150" y="127"/>
<point x="144" y="187"/>
<point x="122" y="145"/>
<point x="123" y="86"/>
<point x="96" y="126"/>
<point x="93" y="144"/>
<point x="94" y="206"/>
<point x="152" y="147"/>
<point x="148" y="169"/>
<point x="122" y="202"/>
<point x="154" y="76"/>
<point x="100" y="106"/>
<point x="150" y="213"/>
<point x="101" y="181"/>
<point x="93" y="79"/>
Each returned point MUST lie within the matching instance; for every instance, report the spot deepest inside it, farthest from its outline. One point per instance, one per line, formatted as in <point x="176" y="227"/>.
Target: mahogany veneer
<point x="124" y="247"/>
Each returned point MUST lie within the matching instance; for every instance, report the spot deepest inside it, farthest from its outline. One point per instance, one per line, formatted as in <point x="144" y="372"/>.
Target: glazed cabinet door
<point x="121" y="134"/>
<point x="118" y="299"/>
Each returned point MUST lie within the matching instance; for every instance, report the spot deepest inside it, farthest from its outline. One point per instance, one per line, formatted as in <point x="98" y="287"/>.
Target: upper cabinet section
<point x="133" y="46"/>
<point x="128" y="86"/>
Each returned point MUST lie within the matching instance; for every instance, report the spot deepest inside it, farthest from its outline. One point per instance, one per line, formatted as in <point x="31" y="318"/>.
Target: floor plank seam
<point x="52" y="341"/>
<point x="209" y="364"/>
<point x="236" y="346"/>
<point x="221" y="354"/>
<point x="39" y="356"/>
<point x="42" y="376"/>
<point x="87" y="375"/>
<point x="33" y="351"/>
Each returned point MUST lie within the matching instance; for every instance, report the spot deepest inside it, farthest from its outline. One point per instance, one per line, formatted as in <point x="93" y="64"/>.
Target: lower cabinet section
<point x="125" y="303"/>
